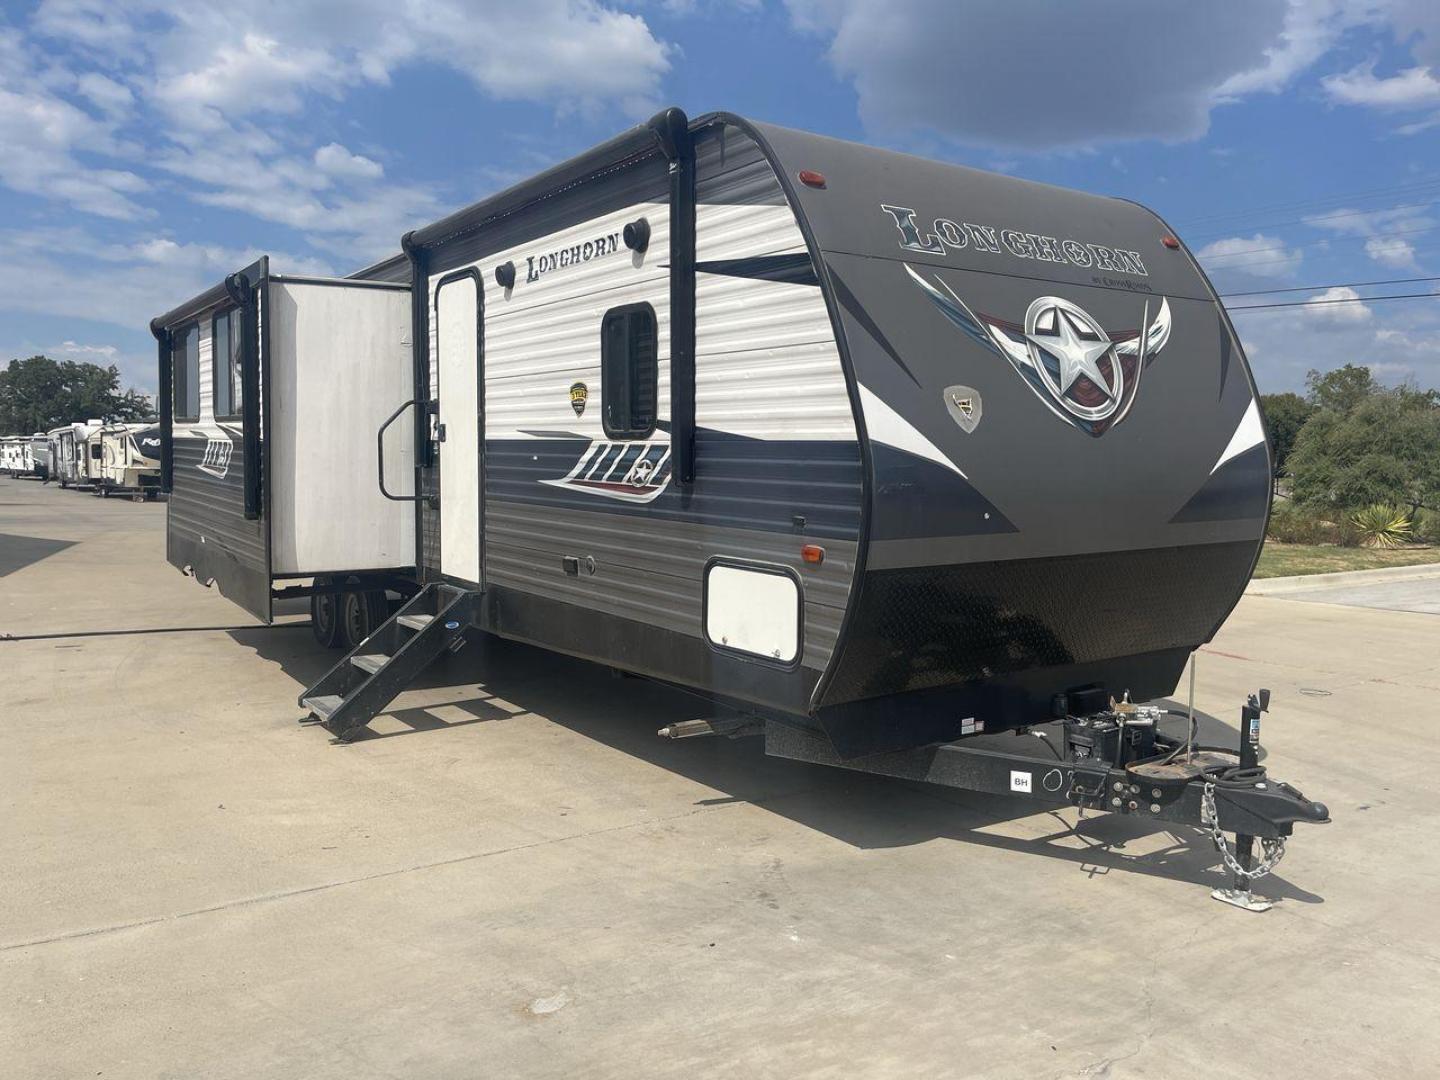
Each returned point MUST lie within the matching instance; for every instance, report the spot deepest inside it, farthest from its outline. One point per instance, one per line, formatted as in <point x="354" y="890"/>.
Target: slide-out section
<point x="339" y="365"/>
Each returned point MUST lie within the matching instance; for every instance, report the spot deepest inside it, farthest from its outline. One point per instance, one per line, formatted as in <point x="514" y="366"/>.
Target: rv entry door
<point x="458" y="334"/>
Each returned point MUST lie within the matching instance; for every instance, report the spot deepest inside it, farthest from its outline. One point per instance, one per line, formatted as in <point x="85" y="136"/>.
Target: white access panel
<point x="340" y="363"/>
<point x="753" y="611"/>
<point x="457" y="347"/>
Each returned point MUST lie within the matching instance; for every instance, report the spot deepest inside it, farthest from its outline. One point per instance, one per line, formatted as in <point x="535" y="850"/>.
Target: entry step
<point x="416" y="622"/>
<point x="324" y="706"/>
<point x="370" y="662"/>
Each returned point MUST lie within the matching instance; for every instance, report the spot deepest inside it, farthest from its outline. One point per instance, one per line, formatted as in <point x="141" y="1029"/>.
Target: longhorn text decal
<point x="535" y="265"/>
<point x="947" y="235"/>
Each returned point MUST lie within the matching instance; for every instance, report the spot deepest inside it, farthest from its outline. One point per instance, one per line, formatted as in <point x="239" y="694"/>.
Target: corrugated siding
<point x="777" y="457"/>
<point x="660" y="580"/>
<point x="209" y="509"/>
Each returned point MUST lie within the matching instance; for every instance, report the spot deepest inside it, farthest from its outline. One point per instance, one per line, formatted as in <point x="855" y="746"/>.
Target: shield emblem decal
<point x="963" y="405"/>
<point x="579" y="394"/>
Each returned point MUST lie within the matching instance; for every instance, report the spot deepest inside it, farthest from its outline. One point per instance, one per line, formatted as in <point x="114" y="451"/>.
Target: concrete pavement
<point x="516" y="878"/>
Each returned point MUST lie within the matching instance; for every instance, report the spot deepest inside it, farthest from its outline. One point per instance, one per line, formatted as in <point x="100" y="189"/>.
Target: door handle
<point x="380" y="447"/>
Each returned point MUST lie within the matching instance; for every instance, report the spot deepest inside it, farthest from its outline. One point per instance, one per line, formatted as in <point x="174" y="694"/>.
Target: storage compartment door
<point x="457" y="348"/>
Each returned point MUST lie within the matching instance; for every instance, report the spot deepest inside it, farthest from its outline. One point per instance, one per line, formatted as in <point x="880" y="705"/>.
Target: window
<point x="629" y="371"/>
<point x="185" y="368"/>
<point x="225" y="364"/>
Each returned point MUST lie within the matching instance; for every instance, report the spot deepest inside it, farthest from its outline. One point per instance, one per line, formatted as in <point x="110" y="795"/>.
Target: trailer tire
<point x="325" y="617"/>
<point x="362" y="612"/>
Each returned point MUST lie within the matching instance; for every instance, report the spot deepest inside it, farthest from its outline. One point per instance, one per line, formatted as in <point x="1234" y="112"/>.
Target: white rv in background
<point x="68" y="452"/>
<point x="129" y="460"/>
<point x="92" y="460"/>
<point x="15" y="458"/>
<point x="40" y="453"/>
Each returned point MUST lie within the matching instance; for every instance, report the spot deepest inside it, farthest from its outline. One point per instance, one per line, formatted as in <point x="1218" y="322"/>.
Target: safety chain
<point x="1272" y="851"/>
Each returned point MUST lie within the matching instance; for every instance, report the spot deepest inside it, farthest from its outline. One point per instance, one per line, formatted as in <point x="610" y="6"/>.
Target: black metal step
<point x="323" y="706"/>
<point x="367" y="679"/>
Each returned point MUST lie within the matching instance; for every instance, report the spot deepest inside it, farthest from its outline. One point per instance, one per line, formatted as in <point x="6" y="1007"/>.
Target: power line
<point x="1337" y="300"/>
<point x="1314" y="221"/>
<point x="1319" y="203"/>
<point x="1338" y="285"/>
<point x="1336" y="240"/>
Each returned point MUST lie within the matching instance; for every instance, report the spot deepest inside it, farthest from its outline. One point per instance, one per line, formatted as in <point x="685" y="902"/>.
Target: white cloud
<point x="42" y="136"/>
<point x="1311" y="29"/>
<point x="211" y="62"/>
<point x="1392" y="251"/>
<point x="73" y="274"/>
<point x="1384" y="231"/>
<point x="1259" y="255"/>
<point x="104" y="92"/>
<point x="334" y="159"/>
<point x="1413" y="88"/>
<point x="73" y="350"/>
<point x="1399" y="341"/>
<point x="216" y="87"/>
<point x="1053" y="76"/>
<point x="1338" y="305"/>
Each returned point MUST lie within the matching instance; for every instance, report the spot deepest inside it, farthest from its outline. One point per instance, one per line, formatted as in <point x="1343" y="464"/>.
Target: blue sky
<point x="150" y="147"/>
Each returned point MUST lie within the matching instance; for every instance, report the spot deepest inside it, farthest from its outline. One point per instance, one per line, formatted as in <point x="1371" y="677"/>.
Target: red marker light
<point x="813" y="553"/>
<point x="1170" y="242"/>
<point x="811" y="178"/>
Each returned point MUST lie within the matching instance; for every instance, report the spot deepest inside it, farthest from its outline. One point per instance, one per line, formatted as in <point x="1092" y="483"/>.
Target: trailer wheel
<point x="362" y="612"/>
<point x="325" y="617"/>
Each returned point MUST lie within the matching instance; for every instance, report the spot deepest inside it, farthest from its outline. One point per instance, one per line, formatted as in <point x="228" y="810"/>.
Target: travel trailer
<point x="69" y="452"/>
<point x="879" y="454"/>
<point x="40" y="453"/>
<point x="15" y="455"/>
<point x="129" y="460"/>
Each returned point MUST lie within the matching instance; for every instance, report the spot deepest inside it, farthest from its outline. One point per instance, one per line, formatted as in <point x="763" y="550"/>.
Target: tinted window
<point x="629" y="371"/>
<point x="185" y="363"/>
<point x="225" y="351"/>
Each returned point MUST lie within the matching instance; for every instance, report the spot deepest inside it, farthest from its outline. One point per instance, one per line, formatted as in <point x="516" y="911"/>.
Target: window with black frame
<point x="185" y="370"/>
<point x="225" y="364"/>
<point x="629" y="371"/>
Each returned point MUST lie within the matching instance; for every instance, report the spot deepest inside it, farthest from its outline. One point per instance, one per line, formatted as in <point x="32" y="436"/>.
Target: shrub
<point x="1291" y="524"/>
<point x="1427" y="526"/>
<point x="1383" y="526"/>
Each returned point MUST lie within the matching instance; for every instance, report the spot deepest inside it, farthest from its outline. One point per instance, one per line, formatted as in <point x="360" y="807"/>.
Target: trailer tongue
<point x="1115" y="759"/>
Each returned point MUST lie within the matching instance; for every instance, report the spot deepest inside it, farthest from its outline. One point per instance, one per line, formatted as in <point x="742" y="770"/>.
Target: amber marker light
<point x="811" y="178"/>
<point x="813" y="554"/>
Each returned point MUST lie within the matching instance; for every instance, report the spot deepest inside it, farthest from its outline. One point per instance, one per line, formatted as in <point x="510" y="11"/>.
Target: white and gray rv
<point x="69" y="450"/>
<point x="129" y="460"/>
<point x="880" y="453"/>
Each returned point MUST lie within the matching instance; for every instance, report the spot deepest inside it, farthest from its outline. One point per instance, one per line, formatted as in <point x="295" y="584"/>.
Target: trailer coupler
<point x="1115" y="760"/>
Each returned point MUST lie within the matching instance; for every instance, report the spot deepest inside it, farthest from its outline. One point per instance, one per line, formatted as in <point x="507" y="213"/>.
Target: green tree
<point x="1341" y="389"/>
<point x="1386" y="449"/>
<point x="38" y="393"/>
<point x="1285" y="415"/>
